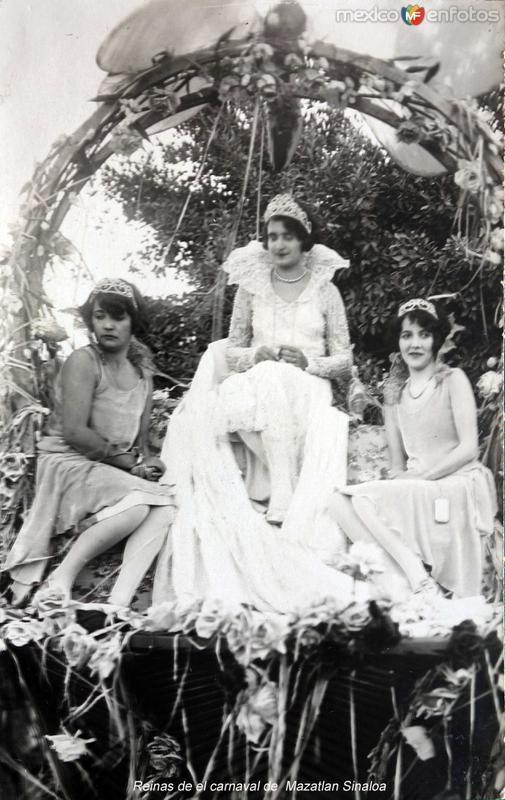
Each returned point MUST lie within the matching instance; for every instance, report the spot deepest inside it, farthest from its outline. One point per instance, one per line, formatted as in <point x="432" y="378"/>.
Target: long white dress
<point x="275" y="399"/>
<point x="220" y="547"/>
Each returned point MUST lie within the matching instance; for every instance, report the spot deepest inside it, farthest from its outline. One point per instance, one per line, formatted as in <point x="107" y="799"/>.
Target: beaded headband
<point x="284" y="205"/>
<point x="115" y="286"/>
<point x="417" y="303"/>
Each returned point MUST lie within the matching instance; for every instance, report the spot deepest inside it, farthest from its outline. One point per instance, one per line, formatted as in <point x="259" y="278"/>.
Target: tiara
<point x="115" y="286"/>
<point x="284" y="205"/>
<point x="417" y="303"/>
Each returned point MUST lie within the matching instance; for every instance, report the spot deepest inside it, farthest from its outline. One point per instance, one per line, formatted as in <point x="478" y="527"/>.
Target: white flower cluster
<point x="489" y="384"/>
<point x="69" y="747"/>
<point x="258" y="707"/>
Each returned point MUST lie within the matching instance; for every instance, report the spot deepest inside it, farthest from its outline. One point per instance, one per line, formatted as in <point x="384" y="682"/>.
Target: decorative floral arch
<point x="273" y="68"/>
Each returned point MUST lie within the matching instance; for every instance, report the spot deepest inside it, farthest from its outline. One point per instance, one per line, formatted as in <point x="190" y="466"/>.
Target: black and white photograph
<point x="251" y="418"/>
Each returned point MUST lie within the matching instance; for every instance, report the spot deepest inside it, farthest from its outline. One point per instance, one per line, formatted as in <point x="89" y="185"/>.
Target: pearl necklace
<point x="417" y="396"/>
<point x="290" y="280"/>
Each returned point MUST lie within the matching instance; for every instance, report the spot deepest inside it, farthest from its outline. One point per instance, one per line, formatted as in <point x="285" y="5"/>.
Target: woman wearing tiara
<point x="288" y="339"/>
<point x="441" y="501"/>
<point x="94" y="471"/>
<point x="256" y="532"/>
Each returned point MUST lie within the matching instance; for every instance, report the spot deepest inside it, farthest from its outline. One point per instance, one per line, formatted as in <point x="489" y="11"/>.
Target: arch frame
<point x="264" y="67"/>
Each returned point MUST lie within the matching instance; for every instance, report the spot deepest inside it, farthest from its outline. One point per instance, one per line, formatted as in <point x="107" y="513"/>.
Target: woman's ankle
<point x="60" y="580"/>
<point x="120" y="599"/>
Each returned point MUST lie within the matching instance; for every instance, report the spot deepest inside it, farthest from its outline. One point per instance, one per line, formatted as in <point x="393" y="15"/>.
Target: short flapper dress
<point x="453" y="548"/>
<point x="72" y="491"/>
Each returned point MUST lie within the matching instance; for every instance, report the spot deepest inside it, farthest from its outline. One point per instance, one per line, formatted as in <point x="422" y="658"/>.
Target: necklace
<point x="291" y="280"/>
<point x="416" y="396"/>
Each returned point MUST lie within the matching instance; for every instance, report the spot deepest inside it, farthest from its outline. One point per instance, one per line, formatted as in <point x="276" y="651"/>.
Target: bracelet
<point x="113" y="450"/>
<point x="147" y="473"/>
<point x="135" y="451"/>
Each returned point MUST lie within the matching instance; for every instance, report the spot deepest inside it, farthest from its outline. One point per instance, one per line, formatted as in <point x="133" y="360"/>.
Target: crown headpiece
<point x="115" y="286"/>
<point x="417" y="303"/>
<point x="284" y="205"/>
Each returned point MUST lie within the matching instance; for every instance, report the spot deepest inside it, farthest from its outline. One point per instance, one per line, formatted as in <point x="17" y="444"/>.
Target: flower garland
<point x="264" y="648"/>
<point x="263" y="658"/>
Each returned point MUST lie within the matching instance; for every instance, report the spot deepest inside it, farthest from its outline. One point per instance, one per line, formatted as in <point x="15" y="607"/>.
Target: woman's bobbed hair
<point x="117" y="305"/>
<point x="439" y="328"/>
<point x="296" y="228"/>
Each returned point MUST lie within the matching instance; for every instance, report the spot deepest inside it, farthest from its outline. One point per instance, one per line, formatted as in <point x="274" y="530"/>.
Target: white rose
<point x="264" y="701"/>
<point x="51" y="601"/>
<point x="356" y="616"/>
<point x="493" y="257"/>
<point x="268" y="633"/>
<point x="212" y="617"/>
<point x="161" y="617"/>
<point x="187" y="615"/>
<point x="105" y="656"/>
<point x="259" y="710"/>
<point x="21" y="632"/>
<point x="458" y="677"/>
<point x="497" y="239"/>
<point x="418" y="739"/>
<point x="317" y="614"/>
<point x="489" y="384"/>
<point x="68" y="747"/>
<point x="237" y="637"/>
<point x="469" y="175"/>
<point x="250" y="723"/>
<point x="77" y="645"/>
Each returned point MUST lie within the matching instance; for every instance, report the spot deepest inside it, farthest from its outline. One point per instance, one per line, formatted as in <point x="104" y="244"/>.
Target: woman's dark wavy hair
<point x="296" y="228"/>
<point x="117" y="305"/>
<point x="439" y="328"/>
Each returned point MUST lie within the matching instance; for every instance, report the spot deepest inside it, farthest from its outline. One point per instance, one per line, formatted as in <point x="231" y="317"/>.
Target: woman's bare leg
<point x="399" y="559"/>
<point x="140" y="551"/>
<point x="95" y="541"/>
<point x="279" y="459"/>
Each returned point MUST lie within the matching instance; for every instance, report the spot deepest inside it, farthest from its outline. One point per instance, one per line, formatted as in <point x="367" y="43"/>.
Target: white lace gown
<point x="220" y="547"/>
<point x="272" y="398"/>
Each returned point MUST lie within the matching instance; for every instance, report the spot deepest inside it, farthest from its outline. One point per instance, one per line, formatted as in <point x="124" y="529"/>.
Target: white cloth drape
<point x="220" y="548"/>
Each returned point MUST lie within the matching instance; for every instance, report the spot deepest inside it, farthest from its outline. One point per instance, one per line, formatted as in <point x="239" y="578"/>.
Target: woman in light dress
<point x="256" y="449"/>
<point x="440" y="503"/>
<point x="94" y="469"/>
<point x="288" y="340"/>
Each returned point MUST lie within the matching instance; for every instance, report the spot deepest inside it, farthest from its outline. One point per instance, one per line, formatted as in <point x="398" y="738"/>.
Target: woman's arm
<point x="240" y="356"/>
<point x="142" y="441"/>
<point x="150" y="467"/>
<point x="394" y="439"/>
<point x="79" y="381"/>
<point x="337" y="364"/>
<point x="465" y="419"/>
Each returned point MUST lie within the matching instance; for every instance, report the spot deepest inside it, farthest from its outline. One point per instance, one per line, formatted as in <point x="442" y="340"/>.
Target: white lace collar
<point x="251" y="266"/>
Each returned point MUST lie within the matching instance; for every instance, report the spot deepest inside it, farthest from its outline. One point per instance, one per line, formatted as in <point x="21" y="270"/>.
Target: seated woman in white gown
<point x="288" y="338"/>
<point x="269" y="383"/>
